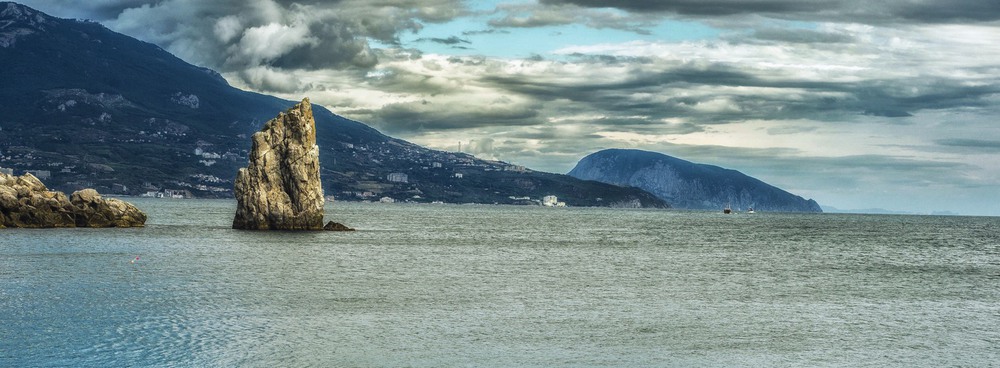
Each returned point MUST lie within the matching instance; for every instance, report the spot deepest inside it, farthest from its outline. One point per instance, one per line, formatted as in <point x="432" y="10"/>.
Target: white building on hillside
<point x="552" y="201"/>
<point x="398" y="178"/>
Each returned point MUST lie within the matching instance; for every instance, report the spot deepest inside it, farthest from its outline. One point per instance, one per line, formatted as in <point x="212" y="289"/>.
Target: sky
<point x="891" y="104"/>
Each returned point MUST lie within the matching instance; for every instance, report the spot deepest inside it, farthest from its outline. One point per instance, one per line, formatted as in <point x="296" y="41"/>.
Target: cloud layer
<point x="845" y="11"/>
<point x="254" y="38"/>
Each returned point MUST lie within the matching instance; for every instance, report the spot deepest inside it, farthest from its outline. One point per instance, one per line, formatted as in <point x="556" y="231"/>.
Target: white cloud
<point x="273" y="80"/>
<point x="228" y="27"/>
<point x="266" y="43"/>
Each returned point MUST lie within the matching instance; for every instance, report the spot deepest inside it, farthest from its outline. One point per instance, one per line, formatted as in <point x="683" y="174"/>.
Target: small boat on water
<point x="750" y="210"/>
<point x="727" y="210"/>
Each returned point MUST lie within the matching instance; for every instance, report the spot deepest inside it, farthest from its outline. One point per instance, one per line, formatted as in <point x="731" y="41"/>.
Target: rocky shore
<point x="26" y="202"/>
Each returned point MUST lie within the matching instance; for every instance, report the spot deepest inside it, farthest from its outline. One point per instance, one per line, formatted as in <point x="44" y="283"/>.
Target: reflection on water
<point x="446" y="285"/>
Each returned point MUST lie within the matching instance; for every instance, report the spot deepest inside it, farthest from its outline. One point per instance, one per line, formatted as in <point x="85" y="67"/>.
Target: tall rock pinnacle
<point x="280" y="188"/>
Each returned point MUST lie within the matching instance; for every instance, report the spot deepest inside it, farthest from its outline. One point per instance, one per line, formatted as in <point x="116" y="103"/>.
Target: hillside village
<point x="398" y="171"/>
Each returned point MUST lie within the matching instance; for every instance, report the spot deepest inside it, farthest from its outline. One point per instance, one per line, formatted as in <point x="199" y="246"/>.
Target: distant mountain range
<point x="82" y="106"/>
<point x="686" y="184"/>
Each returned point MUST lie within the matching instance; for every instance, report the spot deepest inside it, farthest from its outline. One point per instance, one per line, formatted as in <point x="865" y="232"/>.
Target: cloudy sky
<point x="856" y="103"/>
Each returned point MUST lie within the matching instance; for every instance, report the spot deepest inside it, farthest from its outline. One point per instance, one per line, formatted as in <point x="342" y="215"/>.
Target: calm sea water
<point x="449" y="285"/>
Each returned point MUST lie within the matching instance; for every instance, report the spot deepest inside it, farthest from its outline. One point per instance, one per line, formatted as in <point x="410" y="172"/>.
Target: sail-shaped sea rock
<point x="280" y="189"/>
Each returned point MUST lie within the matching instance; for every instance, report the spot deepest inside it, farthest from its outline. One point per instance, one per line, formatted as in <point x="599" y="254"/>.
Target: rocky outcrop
<point x="280" y="188"/>
<point x="26" y="202"/>
<point x="336" y="226"/>
<point x="94" y="211"/>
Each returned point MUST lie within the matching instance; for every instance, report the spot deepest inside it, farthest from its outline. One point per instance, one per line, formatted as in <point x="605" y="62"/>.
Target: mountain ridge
<point x="89" y="107"/>
<point x="685" y="184"/>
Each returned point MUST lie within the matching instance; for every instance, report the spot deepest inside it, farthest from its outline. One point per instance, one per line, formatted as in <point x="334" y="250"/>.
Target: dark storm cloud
<point x="788" y="99"/>
<point x="974" y="145"/>
<point x="428" y="10"/>
<point x="818" y="10"/>
<point x="533" y="16"/>
<point x="949" y="11"/>
<point x="890" y="98"/>
<point x="791" y="130"/>
<point x="545" y="133"/>
<point x="451" y="41"/>
<point x="93" y="10"/>
<point x="485" y="32"/>
<point x="800" y="36"/>
<point x="615" y="97"/>
<point x="237" y="36"/>
<point x="705" y="7"/>
<point x="336" y="46"/>
<point x="611" y="59"/>
<point x="410" y="117"/>
<point x="638" y="80"/>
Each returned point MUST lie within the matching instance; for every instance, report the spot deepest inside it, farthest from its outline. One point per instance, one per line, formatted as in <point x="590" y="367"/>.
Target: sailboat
<point x="728" y="209"/>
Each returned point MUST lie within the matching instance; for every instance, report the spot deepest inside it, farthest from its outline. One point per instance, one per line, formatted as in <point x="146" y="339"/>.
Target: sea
<point x="424" y="285"/>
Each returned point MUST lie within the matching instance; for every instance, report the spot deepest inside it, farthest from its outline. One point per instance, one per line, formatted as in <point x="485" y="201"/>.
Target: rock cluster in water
<point x="26" y="202"/>
<point x="336" y="226"/>
<point x="280" y="188"/>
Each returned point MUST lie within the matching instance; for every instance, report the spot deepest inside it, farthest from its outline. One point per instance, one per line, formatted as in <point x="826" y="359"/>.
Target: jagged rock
<point x="100" y="212"/>
<point x="26" y="202"/>
<point x="31" y="183"/>
<point x="280" y="189"/>
<point x="336" y="226"/>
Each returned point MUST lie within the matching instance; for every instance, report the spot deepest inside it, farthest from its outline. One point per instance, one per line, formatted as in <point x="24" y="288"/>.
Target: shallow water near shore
<point x="470" y="285"/>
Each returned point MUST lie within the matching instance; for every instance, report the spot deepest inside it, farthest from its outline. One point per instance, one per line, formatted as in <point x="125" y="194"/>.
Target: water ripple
<point x="433" y="286"/>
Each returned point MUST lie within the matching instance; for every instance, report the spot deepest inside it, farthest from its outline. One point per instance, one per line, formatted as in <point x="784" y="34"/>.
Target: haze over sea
<point x="471" y="285"/>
